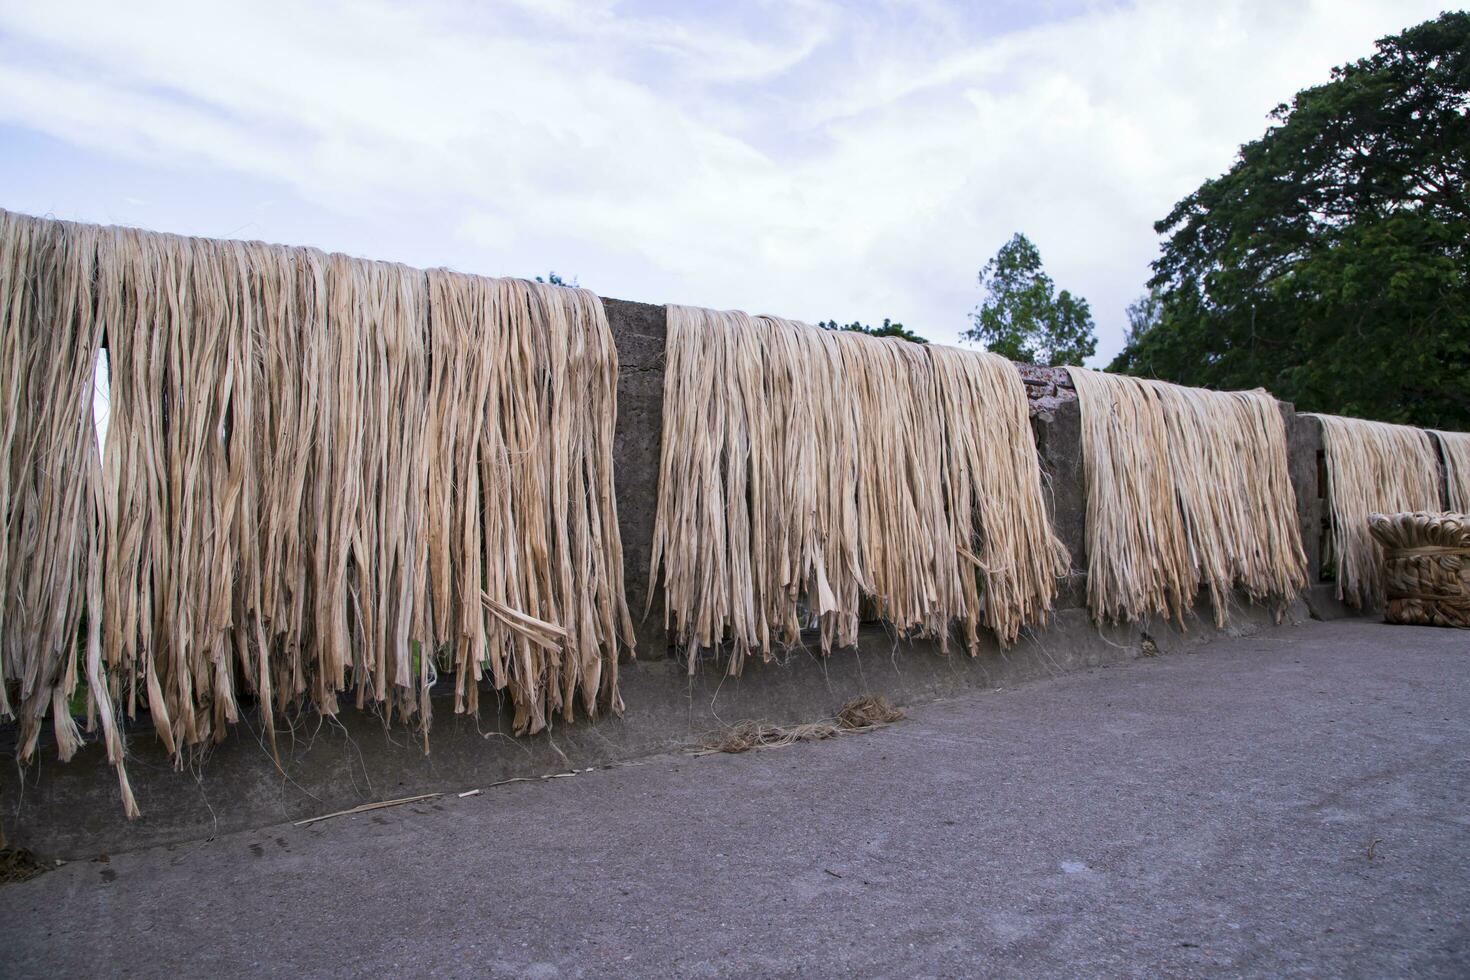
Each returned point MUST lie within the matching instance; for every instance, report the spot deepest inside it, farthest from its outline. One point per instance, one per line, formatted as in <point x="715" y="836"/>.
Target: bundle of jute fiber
<point x="812" y="476"/>
<point x="523" y="523"/>
<point x="1455" y="448"/>
<point x="323" y="475"/>
<point x="1426" y="567"/>
<point x="1186" y="488"/>
<point x="50" y="490"/>
<point x="1372" y="467"/>
<point x="993" y="494"/>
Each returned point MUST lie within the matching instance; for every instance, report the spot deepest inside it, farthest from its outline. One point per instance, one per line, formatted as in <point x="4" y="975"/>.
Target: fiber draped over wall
<point x="1455" y="447"/>
<point x="1185" y="488"/>
<point x="814" y="476"/>
<point x="1372" y="467"/>
<point x="323" y="476"/>
<point x="50" y="488"/>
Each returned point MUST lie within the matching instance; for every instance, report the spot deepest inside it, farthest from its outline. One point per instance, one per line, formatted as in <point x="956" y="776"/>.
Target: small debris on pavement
<point x="368" y="806"/>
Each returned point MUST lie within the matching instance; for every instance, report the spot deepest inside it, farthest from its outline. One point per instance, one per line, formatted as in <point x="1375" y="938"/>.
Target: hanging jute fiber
<point x="813" y="477"/>
<point x="51" y="490"/>
<point x="1186" y="488"/>
<point x="323" y="477"/>
<point x="1372" y="468"/>
<point x="1426" y="567"/>
<point x="1455" y="448"/>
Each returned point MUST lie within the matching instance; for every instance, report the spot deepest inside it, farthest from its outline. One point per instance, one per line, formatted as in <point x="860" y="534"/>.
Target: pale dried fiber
<point x="1186" y="488"/>
<point x="1372" y="467"/>
<point x="50" y="568"/>
<point x="1455" y="447"/>
<point x="521" y="494"/>
<point x="811" y="477"/>
<point x="1426" y="567"/>
<point x="323" y="476"/>
<point x="865" y="713"/>
<point x="997" y="510"/>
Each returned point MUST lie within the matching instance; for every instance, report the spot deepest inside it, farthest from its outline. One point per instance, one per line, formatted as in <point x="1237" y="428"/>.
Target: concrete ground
<point x="1289" y="803"/>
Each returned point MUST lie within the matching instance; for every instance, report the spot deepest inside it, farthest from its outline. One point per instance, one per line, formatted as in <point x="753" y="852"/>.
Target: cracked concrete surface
<point x="1287" y="803"/>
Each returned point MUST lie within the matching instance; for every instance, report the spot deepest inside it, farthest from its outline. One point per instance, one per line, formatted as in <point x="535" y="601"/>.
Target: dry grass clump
<point x="808" y="476"/>
<point x="860" y="714"/>
<point x="867" y="711"/>
<point x="1185" y="488"/>
<point x="1455" y="447"/>
<point x="1372" y="467"/>
<point x="1426" y="567"/>
<point x="20" y="865"/>
<point x="324" y="477"/>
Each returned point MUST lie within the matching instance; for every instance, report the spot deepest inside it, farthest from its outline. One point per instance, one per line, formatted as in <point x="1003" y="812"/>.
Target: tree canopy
<point x="1144" y="314"/>
<point x="889" y="329"/>
<point x="1023" y="317"/>
<point x="1331" y="264"/>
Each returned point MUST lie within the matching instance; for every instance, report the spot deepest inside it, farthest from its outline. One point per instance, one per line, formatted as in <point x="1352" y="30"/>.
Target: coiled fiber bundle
<point x="323" y="476"/>
<point x="1426" y="567"/>
<point x="1372" y="467"/>
<point x="1185" y="488"/>
<point x="811" y="475"/>
<point x="1455" y="448"/>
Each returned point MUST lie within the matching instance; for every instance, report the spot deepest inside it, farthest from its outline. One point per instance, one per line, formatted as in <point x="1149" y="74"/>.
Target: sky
<point x="803" y="158"/>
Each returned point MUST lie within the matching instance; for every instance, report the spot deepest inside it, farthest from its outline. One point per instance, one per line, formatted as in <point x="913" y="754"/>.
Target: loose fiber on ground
<point x="1185" y="488"/>
<point x="811" y="476"/>
<point x="323" y="476"/>
<point x="1372" y="467"/>
<point x="865" y="713"/>
<point x="1455" y="447"/>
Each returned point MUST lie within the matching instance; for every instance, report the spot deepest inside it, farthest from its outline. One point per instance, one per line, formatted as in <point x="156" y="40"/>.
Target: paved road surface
<point x="1198" y="813"/>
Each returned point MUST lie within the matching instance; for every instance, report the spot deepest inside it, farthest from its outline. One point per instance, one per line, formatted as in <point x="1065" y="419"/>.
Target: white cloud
<point x="812" y="159"/>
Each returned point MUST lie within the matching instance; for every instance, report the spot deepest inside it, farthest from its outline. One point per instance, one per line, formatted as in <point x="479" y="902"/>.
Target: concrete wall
<point x="640" y="332"/>
<point x="72" y="810"/>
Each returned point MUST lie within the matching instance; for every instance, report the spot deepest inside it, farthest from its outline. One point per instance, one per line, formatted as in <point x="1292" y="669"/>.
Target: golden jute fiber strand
<point x="812" y="477"/>
<point x="1186" y="488"/>
<point x="1455" y="448"/>
<point x="1372" y="467"/>
<point x="323" y="476"/>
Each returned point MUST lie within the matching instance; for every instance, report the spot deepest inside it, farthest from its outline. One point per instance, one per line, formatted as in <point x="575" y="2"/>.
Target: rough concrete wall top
<point x="1046" y="387"/>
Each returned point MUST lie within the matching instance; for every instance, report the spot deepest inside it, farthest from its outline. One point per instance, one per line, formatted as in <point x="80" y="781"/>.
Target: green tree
<point x="1144" y="314"/>
<point x="552" y="279"/>
<point x="1023" y="317"/>
<point x="889" y="329"/>
<point x="1331" y="264"/>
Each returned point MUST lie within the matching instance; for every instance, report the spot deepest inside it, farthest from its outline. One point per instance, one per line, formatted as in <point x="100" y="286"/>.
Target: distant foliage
<point x="1144" y="314"/>
<point x="1331" y="264"/>
<point x="889" y="329"/>
<point x="552" y="279"/>
<point x="1023" y="317"/>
